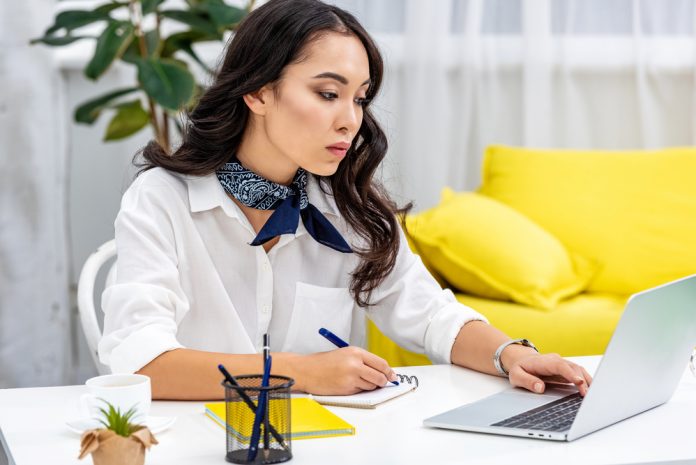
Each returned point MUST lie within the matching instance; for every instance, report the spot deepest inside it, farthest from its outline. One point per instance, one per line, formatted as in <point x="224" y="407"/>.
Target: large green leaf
<point x="130" y="118"/>
<point x="57" y="41"/>
<point x="150" y="5"/>
<point x="184" y="41"/>
<point x="73" y="19"/>
<point x="167" y="82"/>
<point x="195" y="21"/>
<point x="111" y="44"/>
<point x="109" y="7"/>
<point x="224" y="15"/>
<point x="190" y="52"/>
<point x="175" y="42"/>
<point x="88" y="112"/>
<point x="152" y="44"/>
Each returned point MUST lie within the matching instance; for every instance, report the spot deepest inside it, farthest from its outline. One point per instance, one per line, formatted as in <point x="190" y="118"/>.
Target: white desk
<point x="32" y="422"/>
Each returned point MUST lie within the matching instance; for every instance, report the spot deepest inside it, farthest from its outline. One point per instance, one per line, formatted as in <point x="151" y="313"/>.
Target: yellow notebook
<point x="308" y="420"/>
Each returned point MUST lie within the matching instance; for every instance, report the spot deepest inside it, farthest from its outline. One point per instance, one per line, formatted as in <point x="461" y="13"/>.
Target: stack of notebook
<point x="308" y="420"/>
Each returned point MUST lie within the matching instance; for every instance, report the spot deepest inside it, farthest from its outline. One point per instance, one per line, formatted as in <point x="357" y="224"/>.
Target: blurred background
<point x="460" y="75"/>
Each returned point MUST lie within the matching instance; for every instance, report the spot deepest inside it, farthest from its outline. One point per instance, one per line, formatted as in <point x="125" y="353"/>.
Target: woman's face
<point x="317" y="109"/>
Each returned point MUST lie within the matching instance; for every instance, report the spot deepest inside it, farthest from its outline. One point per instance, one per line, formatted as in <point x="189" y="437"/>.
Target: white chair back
<point x="85" y="298"/>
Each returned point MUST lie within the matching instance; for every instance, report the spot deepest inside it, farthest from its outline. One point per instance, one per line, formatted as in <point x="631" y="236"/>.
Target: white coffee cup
<point x="123" y="391"/>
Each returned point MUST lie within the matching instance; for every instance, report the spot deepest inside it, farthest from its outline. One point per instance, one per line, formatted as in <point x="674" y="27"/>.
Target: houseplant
<point x="133" y="33"/>
<point x="120" y="442"/>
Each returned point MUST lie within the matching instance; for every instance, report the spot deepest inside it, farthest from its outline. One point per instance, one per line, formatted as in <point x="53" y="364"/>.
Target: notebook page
<point x="366" y="399"/>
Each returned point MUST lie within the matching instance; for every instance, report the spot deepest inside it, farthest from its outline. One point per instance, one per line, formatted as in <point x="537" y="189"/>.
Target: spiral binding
<point x="408" y="379"/>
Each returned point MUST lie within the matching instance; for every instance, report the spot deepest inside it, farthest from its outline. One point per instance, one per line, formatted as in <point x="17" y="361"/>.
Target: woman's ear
<point x="258" y="102"/>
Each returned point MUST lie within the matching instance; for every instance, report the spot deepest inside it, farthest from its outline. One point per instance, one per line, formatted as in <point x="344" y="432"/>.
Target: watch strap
<point x="496" y="357"/>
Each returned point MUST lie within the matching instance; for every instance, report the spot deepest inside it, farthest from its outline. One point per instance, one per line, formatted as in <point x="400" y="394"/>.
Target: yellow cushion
<point x="381" y="345"/>
<point x="581" y="325"/>
<point x="634" y="212"/>
<point x="483" y="247"/>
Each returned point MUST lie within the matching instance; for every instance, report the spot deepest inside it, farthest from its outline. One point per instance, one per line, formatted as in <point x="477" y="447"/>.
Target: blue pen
<point x="340" y="343"/>
<point x="333" y="339"/>
<point x="262" y="405"/>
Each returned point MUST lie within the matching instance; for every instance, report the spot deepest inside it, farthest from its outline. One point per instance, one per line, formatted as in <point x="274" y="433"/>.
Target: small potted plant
<point x="120" y="442"/>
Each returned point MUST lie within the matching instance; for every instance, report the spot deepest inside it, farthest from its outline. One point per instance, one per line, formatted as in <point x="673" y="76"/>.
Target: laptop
<point x="652" y="342"/>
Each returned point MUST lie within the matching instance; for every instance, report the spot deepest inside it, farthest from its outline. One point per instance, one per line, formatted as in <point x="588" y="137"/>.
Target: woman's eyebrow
<point x="337" y="77"/>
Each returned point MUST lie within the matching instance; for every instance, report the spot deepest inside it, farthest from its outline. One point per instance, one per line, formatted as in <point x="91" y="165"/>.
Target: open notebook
<point x="367" y="399"/>
<point x="308" y="420"/>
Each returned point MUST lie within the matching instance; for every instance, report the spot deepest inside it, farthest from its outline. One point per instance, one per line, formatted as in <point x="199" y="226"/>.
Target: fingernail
<point x="538" y="387"/>
<point x="392" y="376"/>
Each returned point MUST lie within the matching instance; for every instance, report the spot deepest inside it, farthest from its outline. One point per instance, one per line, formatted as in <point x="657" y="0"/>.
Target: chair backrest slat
<point x="85" y="298"/>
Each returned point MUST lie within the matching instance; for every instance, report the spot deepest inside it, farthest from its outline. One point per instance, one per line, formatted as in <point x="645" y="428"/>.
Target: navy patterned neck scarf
<point x="289" y="202"/>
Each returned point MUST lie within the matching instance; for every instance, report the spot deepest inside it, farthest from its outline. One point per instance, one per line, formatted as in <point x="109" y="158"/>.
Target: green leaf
<point x="73" y="19"/>
<point x="57" y="41"/>
<point x="88" y="112"/>
<point x="178" y="41"/>
<point x="224" y="15"/>
<point x="150" y="5"/>
<point x="190" y="52"/>
<point x="109" y="7"/>
<point x="196" y="21"/>
<point x="183" y="41"/>
<point x="111" y="43"/>
<point x="152" y="44"/>
<point x="129" y="119"/>
<point x="166" y="82"/>
<point x="116" y="421"/>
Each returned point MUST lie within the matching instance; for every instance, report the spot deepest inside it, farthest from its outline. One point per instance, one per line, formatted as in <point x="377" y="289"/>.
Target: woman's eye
<point x="333" y="96"/>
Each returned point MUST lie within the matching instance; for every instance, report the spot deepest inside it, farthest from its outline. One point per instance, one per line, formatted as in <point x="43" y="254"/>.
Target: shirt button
<point x="265" y="308"/>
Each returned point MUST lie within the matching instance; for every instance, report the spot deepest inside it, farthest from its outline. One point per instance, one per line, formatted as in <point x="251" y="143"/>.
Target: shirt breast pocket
<point x="318" y="307"/>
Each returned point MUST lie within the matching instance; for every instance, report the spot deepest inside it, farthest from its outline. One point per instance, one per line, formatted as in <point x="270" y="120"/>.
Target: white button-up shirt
<point x="186" y="276"/>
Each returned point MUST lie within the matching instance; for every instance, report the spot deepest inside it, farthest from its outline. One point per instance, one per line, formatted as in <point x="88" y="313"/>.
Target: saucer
<point x="156" y="424"/>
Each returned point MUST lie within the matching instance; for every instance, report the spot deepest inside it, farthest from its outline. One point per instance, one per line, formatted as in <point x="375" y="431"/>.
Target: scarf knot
<point x="289" y="202"/>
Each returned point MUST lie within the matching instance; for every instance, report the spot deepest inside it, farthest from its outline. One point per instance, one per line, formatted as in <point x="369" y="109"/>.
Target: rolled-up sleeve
<point x="143" y="307"/>
<point x="413" y="310"/>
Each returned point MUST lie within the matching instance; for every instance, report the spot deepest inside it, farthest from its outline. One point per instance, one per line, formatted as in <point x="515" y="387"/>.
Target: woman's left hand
<point x="532" y="371"/>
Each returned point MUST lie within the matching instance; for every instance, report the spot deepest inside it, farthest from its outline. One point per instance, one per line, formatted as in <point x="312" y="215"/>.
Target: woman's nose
<point x="350" y="118"/>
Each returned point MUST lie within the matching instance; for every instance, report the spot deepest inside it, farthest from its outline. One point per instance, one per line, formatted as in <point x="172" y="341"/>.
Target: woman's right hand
<point x="340" y="372"/>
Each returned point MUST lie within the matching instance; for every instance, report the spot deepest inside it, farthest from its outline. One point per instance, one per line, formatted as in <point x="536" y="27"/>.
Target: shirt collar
<point x="324" y="202"/>
<point x="206" y="193"/>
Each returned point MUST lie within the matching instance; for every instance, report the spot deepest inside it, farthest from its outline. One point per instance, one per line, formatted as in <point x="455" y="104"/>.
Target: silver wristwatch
<point x="496" y="357"/>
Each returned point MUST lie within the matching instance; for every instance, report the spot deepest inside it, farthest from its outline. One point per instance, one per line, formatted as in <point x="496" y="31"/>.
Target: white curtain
<point x="35" y="333"/>
<point x="464" y="74"/>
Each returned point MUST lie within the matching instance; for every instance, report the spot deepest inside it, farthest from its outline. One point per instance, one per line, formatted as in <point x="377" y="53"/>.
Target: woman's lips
<point x="336" y="151"/>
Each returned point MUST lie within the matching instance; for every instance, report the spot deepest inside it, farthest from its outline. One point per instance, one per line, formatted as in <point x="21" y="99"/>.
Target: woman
<point x="267" y="219"/>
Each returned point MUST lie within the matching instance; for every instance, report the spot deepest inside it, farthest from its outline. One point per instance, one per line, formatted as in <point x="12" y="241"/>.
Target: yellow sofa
<point x="630" y="215"/>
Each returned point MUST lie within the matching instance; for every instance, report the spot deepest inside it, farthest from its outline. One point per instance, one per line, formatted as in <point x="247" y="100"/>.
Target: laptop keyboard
<point x="554" y="416"/>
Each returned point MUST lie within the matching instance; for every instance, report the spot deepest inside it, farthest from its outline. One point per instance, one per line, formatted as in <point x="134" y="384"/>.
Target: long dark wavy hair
<point x="268" y="39"/>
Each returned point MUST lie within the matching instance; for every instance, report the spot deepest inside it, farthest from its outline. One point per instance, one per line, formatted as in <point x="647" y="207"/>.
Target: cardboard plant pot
<point x="109" y="448"/>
